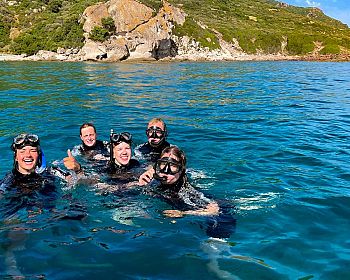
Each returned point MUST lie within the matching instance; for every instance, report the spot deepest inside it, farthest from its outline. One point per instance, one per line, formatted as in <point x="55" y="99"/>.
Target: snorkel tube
<point x="41" y="164"/>
<point x="111" y="156"/>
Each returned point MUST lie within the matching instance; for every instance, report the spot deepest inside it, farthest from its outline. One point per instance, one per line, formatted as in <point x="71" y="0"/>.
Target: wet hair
<point x="85" y="125"/>
<point x="173" y="150"/>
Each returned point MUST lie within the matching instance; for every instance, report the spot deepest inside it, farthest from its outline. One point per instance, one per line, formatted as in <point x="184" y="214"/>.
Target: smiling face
<point x="27" y="158"/>
<point x="122" y="153"/>
<point x="168" y="179"/>
<point x="88" y="136"/>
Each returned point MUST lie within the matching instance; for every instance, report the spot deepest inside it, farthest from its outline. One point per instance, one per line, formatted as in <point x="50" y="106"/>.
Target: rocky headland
<point x="139" y="33"/>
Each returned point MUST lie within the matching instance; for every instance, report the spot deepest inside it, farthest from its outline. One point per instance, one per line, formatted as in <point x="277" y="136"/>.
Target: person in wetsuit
<point x="30" y="186"/>
<point x="121" y="168"/>
<point x="30" y="177"/>
<point x="121" y="165"/>
<point x="156" y="133"/>
<point x="172" y="185"/>
<point x="91" y="148"/>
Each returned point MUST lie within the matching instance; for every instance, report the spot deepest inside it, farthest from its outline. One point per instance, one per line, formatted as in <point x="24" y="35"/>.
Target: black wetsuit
<point x="151" y="153"/>
<point x="32" y="190"/>
<point x="100" y="147"/>
<point x="183" y="196"/>
<point x="122" y="174"/>
<point x="36" y="190"/>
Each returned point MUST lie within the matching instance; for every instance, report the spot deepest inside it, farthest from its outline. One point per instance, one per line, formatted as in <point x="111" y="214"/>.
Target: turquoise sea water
<point x="270" y="138"/>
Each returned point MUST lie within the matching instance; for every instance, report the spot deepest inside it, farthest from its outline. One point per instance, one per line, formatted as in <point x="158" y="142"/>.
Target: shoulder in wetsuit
<point x="101" y="147"/>
<point x="122" y="174"/>
<point x="151" y="153"/>
<point x="28" y="190"/>
<point x="181" y="195"/>
<point x="26" y="183"/>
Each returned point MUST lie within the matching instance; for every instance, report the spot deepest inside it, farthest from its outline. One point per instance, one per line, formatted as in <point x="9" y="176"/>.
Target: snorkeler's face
<point x="122" y="153"/>
<point x="27" y="158"/>
<point x="155" y="133"/>
<point x="171" y="162"/>
<point x="88" y="136"/>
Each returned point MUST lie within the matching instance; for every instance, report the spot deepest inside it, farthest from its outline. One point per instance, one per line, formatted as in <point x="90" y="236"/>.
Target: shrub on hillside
<point x="99" y="33"/>
<point x="204" y="36"/>
<point x="4" y="34"/>
<point x="108" y="24"/>
<point x="55" y="6"/>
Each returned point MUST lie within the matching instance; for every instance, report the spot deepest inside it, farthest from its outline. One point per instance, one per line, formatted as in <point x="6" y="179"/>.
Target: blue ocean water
<point x="270" y="138"/>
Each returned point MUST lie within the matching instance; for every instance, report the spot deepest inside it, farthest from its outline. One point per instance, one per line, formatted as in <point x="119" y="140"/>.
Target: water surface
<point x="270" y="138"/>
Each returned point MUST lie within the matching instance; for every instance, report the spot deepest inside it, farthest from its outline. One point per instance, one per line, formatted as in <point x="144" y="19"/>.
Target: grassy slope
<point x="58" y="25"/>
<point x="231" y="18"/>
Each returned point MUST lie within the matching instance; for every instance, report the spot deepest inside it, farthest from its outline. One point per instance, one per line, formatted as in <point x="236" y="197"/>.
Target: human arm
<point x="212" y="209"/>
<point x="192" y="202"/>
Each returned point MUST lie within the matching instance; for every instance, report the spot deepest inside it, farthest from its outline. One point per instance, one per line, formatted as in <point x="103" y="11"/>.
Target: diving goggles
<point x="24" y="139"/>
<point x="167" y="165"/>
<point x="121" y="137"/>
<point x="155" y="132"/>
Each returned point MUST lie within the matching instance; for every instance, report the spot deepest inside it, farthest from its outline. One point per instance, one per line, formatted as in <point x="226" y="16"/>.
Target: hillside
<point x="259" y="26"/>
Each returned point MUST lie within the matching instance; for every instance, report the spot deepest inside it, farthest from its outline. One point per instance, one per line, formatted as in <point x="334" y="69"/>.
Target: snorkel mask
<point x="23" y="140"/>
<point x="156" y="132"/>
<point x="32" y="140"/>
<point x="168" y="166"/>
<point x="116" y="138"/>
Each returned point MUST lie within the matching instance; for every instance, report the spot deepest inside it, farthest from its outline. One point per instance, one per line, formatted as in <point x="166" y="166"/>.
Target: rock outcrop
<point x="141" y="35"/>
<point x="138" y="34"/>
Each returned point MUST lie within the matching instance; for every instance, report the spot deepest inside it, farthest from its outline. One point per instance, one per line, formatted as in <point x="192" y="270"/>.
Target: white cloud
<point x="313" y="3"/>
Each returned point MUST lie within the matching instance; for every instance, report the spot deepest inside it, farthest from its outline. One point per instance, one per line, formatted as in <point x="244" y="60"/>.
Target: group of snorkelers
<point x="162" y="172"/>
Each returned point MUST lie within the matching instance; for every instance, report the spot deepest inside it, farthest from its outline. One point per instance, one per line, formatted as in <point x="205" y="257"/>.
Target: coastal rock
<point x="138" y="34"/>
<point x="128" y="14"/>
<point x="92" y="17"/>
<point x="47" y="56"/>
<point x="116" y="50"/>
<point x="92" y="50"/>
<point x="141" y="34"/>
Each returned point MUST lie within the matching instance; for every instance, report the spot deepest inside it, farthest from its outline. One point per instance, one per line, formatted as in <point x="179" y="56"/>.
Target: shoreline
<point x="199" y="57"/>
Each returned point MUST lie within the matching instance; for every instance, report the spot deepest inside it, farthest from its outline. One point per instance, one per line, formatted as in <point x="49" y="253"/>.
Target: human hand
<point x="146" y="177"/>
<point x="213" y="208"/>
<point x="71" y="163"/>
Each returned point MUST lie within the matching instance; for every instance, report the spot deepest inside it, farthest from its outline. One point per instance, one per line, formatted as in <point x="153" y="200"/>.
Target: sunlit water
<point x="270" y="138"/>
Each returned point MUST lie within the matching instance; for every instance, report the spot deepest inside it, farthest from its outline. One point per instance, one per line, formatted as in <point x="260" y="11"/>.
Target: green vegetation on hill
<point x="261" y="25"/>
<point x="258" y="25"/>
<point x="42" y="25"/>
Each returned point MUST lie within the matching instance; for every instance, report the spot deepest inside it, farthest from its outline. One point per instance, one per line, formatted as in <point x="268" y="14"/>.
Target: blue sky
<point x="338" y="9"/>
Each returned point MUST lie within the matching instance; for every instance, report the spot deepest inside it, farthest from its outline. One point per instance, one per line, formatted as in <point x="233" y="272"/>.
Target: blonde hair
<point x="156" y="120"/>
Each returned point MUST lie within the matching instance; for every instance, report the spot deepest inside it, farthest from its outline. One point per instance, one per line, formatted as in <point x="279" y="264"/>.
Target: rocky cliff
<point x="153" y="29"/>
<point x="139" y="33"/>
